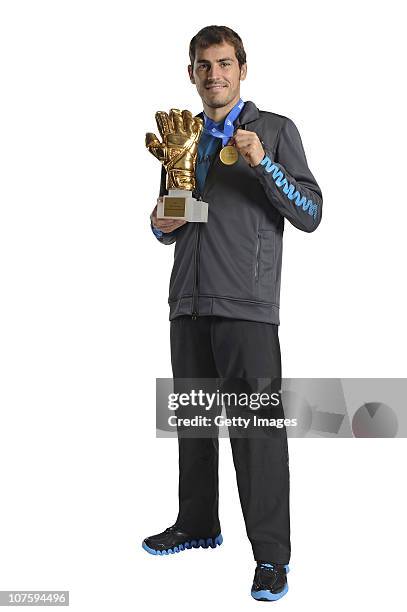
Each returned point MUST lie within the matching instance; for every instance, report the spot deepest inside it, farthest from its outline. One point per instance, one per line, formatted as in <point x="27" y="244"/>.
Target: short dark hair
<point x="216" y="35"/>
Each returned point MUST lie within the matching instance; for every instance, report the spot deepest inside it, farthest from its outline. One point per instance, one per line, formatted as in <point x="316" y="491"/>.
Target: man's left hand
<point x="249" y="146"/>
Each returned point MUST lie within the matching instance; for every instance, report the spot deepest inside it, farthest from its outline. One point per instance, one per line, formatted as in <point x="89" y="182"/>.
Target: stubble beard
<point x="220" y="103"/>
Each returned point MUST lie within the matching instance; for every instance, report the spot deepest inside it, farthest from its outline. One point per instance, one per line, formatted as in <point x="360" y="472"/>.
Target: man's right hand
<point x="165" y="225"/>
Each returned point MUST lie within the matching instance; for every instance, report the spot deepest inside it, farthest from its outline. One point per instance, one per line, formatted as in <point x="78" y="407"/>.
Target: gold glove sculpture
<point x="180" y="133"/>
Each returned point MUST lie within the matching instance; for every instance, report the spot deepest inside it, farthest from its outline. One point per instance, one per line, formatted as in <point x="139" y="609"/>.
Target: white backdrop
<point x="84" y="316"/>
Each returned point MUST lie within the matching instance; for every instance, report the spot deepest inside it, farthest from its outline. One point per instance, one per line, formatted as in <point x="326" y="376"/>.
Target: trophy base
<point x="179" y="204"/>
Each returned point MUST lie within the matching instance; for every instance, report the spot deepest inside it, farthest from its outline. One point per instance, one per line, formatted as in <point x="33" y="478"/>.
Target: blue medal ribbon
<point x="211" y="128"/>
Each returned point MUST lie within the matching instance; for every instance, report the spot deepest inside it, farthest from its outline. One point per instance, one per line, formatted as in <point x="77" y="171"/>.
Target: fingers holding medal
<point x="248" y="145"/>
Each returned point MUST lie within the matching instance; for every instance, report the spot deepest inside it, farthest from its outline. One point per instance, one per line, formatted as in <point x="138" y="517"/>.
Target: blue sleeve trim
<point x="157" y="232"/>
<point x="288" y="188"/>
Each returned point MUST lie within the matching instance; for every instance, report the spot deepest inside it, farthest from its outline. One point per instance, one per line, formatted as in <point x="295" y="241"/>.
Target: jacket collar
<point x="249" y="113"/>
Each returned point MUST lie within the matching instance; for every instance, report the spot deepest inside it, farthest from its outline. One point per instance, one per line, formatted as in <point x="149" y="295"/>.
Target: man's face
<point x="217" y="75"/>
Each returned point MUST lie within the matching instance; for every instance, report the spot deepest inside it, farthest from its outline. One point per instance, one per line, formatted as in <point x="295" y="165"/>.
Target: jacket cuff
<point x="156" y="232"/>
<point x="268" y="157"/>
<point x="164" y="238"/>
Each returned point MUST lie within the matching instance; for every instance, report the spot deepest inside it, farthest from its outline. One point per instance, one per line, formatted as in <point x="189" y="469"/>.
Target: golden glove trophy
<point x="180" y="133"/>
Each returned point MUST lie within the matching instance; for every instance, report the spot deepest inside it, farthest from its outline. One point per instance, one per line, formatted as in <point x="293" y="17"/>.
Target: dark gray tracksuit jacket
<point x="231" y="265"/>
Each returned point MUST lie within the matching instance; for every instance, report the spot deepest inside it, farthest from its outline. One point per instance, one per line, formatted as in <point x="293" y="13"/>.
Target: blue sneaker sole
<point x="268" y="595"/>
<point x="200" y="543"/>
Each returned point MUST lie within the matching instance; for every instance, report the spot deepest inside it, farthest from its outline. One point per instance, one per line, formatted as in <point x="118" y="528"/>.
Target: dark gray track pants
<point x="237" y="350"/>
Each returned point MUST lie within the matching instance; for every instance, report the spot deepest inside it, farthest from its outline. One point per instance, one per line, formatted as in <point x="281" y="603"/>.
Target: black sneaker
<point x="173" y="540"/>
<point x="270" y="581"/>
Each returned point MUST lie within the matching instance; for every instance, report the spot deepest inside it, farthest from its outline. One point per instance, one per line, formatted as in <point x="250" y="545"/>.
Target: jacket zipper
<point x="195" y="312"/>
<point x="195" y="307"/>
<point x="256" y="270"/>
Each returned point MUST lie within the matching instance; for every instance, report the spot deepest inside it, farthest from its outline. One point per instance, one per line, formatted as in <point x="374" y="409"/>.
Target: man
<point x="224" y="300"/>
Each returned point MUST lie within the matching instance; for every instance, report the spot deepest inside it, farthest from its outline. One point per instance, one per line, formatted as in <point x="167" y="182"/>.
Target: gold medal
<point x="229" y="155"/>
